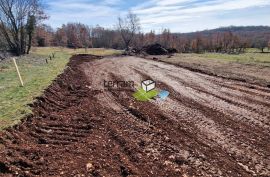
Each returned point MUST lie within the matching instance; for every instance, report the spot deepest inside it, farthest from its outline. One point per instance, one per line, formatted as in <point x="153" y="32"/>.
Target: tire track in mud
<point x="262" y="111"/>
<point x="197" y="92"/>
<point x="206" y="127"/>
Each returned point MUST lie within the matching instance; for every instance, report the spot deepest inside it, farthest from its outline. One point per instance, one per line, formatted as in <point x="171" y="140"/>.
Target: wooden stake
<point x="18" y="72"/>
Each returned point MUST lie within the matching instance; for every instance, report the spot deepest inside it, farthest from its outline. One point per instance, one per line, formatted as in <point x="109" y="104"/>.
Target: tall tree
<point x="44" y="36"/>
<point x="60" y="38"/>
<point x="84" y="35"/>
<point x="17" y="19"/>
<point x="261" y="43"/>
<point x="128" y="27"/>
<point x="30" y="27"/>
<point x="150" y="37"/>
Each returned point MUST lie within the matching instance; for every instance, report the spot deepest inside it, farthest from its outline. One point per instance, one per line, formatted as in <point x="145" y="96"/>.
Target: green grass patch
<point x="37" y="75"/>
<point x="142" y="95"/>
<point x="240" y="57"/>
<point x="256" y="58"/>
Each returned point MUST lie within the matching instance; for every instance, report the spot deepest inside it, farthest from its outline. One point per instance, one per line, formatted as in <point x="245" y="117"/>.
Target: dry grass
<point x="93" y="51"/>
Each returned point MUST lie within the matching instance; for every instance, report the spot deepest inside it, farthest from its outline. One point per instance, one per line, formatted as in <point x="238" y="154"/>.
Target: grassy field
<point x="246" y="58"/>
<point x="37" y="75"/>
<point x="95" y="51"/>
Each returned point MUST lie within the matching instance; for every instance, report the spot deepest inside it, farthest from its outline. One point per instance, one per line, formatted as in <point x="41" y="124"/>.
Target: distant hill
<point x="234" y="29"/>
<point x="250" y="34"/>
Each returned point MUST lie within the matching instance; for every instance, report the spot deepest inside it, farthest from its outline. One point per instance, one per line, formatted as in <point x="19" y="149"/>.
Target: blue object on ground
<point x="163" y="94"/>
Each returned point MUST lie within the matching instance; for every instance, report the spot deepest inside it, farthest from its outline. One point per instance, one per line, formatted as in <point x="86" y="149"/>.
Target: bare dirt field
<point x="252" y="68"/>
<point x="208" y="126"/>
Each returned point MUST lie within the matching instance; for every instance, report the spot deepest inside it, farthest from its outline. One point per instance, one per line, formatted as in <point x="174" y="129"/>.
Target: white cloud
<point x="171" y="12"/>
<point x="83" y="11"/>
<point x="171" y="2"/>
<point x="177" y="6"/>
<point x="157" y="9"/>
<point x="179" y="15"/>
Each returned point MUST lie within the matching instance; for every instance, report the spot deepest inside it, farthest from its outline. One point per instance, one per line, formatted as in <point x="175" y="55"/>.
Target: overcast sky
<point x="177" y="15"/>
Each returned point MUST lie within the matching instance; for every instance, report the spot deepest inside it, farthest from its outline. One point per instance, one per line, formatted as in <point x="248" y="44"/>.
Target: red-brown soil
<point x="208" y="126"/>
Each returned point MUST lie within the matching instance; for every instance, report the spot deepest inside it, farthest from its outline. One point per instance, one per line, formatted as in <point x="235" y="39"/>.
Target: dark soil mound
<point x="155" y="49"/>
<point x="152" y="49"/>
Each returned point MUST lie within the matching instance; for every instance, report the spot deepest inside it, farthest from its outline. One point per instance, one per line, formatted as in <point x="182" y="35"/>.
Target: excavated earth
<point x="208" y="126"/>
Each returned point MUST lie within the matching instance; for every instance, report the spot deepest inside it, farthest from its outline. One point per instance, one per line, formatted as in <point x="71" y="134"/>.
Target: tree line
<point x="77" y="35"/>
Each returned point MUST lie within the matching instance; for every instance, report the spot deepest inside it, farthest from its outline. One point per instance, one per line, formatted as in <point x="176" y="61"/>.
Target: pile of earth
<point x="155" y="49"/>
<point x="152" y="49"/>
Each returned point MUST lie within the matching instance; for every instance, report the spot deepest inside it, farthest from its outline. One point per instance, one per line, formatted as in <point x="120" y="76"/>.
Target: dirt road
<point x="208" y="126"/>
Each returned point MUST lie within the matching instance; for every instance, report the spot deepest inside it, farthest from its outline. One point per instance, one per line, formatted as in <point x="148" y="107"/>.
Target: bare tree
<point x="128" y="27"/>
<point x="17" y="21"/>
<point x="60" y="37"/>
<point x="261" y="43"/>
